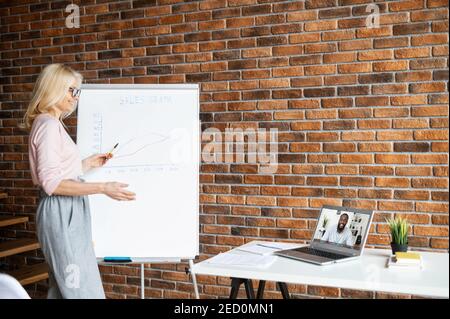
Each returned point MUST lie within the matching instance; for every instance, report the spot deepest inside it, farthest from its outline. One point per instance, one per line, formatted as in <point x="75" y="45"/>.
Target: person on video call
<point x="339" y="234"/>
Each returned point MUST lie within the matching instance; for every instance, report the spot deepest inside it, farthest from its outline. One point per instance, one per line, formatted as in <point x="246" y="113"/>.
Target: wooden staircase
<point x="26" y="274"/>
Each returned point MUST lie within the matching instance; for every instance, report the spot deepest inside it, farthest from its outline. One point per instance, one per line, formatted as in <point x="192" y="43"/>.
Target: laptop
<point x="340" y="235"/>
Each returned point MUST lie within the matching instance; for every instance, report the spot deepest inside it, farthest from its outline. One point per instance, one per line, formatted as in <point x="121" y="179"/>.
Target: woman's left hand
<point x="96" y="160"/>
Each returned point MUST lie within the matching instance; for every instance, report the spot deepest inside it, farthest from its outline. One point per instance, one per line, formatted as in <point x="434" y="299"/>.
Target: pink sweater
<point x="53" y="154"/>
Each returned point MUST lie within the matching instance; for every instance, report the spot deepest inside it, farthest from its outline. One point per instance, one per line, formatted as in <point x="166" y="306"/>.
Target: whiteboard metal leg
<point x="194" y="278"/>
<point x="142" y="281"/>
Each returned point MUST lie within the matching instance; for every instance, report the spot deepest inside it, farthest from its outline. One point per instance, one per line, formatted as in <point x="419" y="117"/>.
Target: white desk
<point x="367" y="273"/>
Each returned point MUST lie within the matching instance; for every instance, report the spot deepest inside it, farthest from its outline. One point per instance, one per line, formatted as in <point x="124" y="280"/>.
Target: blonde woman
<point x="63" y="215"/>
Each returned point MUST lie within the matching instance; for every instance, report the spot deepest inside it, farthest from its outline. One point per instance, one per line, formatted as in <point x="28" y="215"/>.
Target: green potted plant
<point x="399" y="233"/>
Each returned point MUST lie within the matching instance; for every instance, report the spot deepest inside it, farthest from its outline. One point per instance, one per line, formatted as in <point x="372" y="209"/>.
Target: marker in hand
<point x="109" y="154"/>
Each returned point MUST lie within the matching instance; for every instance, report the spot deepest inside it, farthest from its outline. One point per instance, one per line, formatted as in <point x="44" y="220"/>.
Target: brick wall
<point x="362" y="113"/>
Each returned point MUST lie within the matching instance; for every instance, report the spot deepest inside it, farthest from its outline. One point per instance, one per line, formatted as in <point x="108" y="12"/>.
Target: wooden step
<point x="13" y="247"/>
<point x="11" y="220"/>
<point x="30" y="274"/>
<point x="3" y="195"/>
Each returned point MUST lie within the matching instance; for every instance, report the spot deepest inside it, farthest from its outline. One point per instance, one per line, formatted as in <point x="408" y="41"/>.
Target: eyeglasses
<point x="75" y="92"/>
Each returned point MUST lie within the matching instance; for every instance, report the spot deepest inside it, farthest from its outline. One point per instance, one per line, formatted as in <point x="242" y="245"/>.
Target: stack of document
<point x="266" y="248"/>
<point x="406" y="260"/>
<point x="247" y="260"/>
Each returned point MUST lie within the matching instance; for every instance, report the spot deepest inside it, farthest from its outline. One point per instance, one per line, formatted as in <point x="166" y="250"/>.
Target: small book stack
<point x="405" y="260"/>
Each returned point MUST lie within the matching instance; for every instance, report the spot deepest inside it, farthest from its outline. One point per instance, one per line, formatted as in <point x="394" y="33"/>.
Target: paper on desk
<point x="230" y="259"/>
<point x="266" y="249"/>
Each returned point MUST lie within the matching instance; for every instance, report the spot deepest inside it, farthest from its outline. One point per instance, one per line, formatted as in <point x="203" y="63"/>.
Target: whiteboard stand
<point x="194" y="278"/>
<point x="142" y="281"/>
<point x="150" y="158"/>
<point x="154" y="261"/>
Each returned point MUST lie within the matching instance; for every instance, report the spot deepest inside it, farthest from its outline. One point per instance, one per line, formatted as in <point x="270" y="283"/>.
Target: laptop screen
<point x="343" y="229"/>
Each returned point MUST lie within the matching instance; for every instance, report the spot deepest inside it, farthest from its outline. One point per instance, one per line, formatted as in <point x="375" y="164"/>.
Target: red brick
<point x="390" y="42"/>
<point x="358" y="136"/>
<point x="427" y="87"/>
<point x="406" y="5"/>
<point x="355" y="45"/>
<point x="373" y="124"/>
<point x="412" y="53"/>
<point x="290" y="71"/>
<point x="392" y="159"/>
<point x="323" y="158"/>
<point x="354" y="68"/>
<point x="320" y="47"/>
<point x="429" y="39"/>
<point x="374" y="32"/>
<point x="439" y="196"/>
<point x="322" y="181"/>
<point x="431" y="135"/>
<point x="395" y="206"/>
<point x="390" y="66"/>
<point x="394" y="135"/>
<point x="321" y="137"/>
<point x="440" y="219"/>
<point x="287" y="50"/>
<point x="304" y="38"/>
<point x="377" y="194"/>
<point x="429" y="158"/>
<point x="356" y="181"/>
<point x="430" y="111"/>
<point x="416" y="218"/>
<point x="320" y="26"/>
<point x="432" y="207"/>
<point x="408" y="100"/>
<point x="357" y="158"/>
<point x="341" y="79"/>
<point x="375" y="55"/>
<point x="292" y="202"/>
<point x="391" y="112"/>
<point x="290" y="180"/>
<point x="429" y="183"/>
<point x="323" y="291"/>
<point x="307" y="192"/>
<point x="439" y="243"/>
<point x="337" y="102"/>
<point x="302" y="16"/>
<point x="410" y="123"/>
<point x="431" y="231"/>
<point x="392" y="182"/>
<point x="338" y="35"/>
<point x="341" y="170"/>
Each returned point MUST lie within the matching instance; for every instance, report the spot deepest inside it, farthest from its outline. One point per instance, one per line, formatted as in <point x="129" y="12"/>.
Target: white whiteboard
<point x="157" y="128"/>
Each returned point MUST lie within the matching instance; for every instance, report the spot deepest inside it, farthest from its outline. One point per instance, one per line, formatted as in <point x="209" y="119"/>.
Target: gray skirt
<point x="64" y="232"/>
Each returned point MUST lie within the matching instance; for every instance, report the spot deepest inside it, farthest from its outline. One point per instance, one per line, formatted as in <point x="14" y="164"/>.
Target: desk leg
<point x="236" y="284"/>
<point x="281" y="286"/>
<point x="261" y="287"/>
<point x="249" y="289"/>
<point x="284" y="290"/>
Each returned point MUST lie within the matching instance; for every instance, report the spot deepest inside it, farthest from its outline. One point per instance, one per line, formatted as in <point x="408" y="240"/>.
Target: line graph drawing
<point x="133" y="145"/>
<point x="147" y="149"/>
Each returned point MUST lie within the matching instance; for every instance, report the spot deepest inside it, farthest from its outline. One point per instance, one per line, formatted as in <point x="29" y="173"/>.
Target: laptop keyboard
<point x="321" y="253"/>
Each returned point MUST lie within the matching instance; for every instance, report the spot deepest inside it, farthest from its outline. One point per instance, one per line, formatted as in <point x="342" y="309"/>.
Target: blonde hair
<point x="50" y="89"/>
